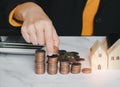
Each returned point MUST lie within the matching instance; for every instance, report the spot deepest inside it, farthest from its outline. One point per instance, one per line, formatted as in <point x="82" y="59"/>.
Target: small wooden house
<point x="114" y="56"/>
<point x="98" y="55"/>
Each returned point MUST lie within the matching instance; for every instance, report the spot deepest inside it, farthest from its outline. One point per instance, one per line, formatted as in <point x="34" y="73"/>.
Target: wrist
<point x="24" y="9"/>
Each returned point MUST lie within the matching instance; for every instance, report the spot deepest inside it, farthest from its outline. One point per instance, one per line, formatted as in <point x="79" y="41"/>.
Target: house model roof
<point x="112" y="38"/>
<point x="114" y="46"/>
<point x="97" y="44"/>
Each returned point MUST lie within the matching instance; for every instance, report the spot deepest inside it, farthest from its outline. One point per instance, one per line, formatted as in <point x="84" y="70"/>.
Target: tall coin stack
<point x="52" y="67"/>
<point x="39" y="61"/>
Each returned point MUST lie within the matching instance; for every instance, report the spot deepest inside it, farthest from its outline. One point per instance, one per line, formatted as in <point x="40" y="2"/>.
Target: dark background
<point x="106" y="22"/>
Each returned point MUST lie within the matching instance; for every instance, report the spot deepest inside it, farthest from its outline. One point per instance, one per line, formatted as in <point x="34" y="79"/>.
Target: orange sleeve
<point x="12" y="21"/>
<point x="89" y="13"/>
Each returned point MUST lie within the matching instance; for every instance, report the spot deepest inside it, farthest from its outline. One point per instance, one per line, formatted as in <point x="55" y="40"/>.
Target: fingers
<point x="49" y="38"/>
<point x="37" y="28"/>
<point x="29" y="34"/>
<point x="25" y="34"/>
<point x="42" y="33"/>
<point x="56" y="40"/>
<point x="32" y="34"/>
<point x="52" y="40"/>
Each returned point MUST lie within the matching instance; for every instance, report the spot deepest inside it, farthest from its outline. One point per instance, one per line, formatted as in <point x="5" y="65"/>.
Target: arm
<point x="89" y="13"/>
<point x="8" y="5"/>
<point x="36" y="27"/>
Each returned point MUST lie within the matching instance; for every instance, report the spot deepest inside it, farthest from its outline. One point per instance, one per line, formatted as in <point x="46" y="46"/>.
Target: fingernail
<point x="28" y="41"/>
<point x="56" y="50"/>
<point x="50" y="53"/>
<point x="34" y="43"/>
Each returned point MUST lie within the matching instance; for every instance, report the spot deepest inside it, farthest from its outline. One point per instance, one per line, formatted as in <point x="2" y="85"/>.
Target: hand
<point x="37" y="28"/>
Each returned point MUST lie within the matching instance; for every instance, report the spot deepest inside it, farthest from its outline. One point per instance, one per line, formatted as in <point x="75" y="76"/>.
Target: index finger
<point x="56" y="40"/>
<point x="49" y="40"/>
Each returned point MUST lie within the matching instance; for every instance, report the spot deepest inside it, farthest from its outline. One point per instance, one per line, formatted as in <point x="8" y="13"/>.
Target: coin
<point x="39" y="71"/>
<point x="61" y="52"/>
<point x="72" y="60"/>
<point x="86" y="70"/>
<point x="77" y="58"/>
<point x="53" y="58"/>
<point x="62" y="57"/>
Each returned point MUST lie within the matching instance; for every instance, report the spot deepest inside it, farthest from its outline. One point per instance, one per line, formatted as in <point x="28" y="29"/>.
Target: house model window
<point x="100" y="55"/>
<point x="99" y="67"/>
<point x="112" y="58"/>
<point x="117" y="58"/>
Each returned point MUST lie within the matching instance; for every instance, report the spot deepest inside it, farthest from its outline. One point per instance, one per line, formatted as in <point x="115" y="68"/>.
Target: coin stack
<point x="75" y="68"/>
<point x="64" y="67"/>
<point x="39" y="61"/>
<point x="52" y="67"/>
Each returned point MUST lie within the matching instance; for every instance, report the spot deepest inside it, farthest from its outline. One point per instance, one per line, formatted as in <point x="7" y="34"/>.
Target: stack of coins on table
<point x="39" y="61"/>
<point x="75" y="68"/>
<point x="52" y="67"/>
<point x="64" y="67"/>
<point x="68" y="62"/>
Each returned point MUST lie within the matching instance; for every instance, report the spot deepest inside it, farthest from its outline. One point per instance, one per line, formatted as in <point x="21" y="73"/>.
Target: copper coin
<point x="53" y="59"/>
<point x="39" y="71"/>
<point x="86" y="70"/>
<point x="40" y="66"/>
<point x="72" y="60"/>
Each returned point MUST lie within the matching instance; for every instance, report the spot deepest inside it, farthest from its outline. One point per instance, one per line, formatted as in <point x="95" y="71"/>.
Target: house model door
<point x="99" y="67"/>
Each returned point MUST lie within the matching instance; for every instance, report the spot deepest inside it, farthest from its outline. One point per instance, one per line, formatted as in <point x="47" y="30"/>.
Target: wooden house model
<point x="101" y="57"/>
<point x="114" y="56"/>
<point x="98" y="55"/>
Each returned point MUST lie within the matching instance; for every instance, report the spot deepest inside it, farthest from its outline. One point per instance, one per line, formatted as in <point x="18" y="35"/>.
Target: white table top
<point x="18" y="70"/>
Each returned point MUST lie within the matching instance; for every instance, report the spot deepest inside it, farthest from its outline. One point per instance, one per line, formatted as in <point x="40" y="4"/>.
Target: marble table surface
<point x="17" y="70"/>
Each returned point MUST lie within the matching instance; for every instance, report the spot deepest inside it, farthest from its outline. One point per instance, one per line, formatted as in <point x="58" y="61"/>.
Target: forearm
<point x="25" y="8"/>
<point x="7" y="7"/>
<point x="36" y="28"/>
